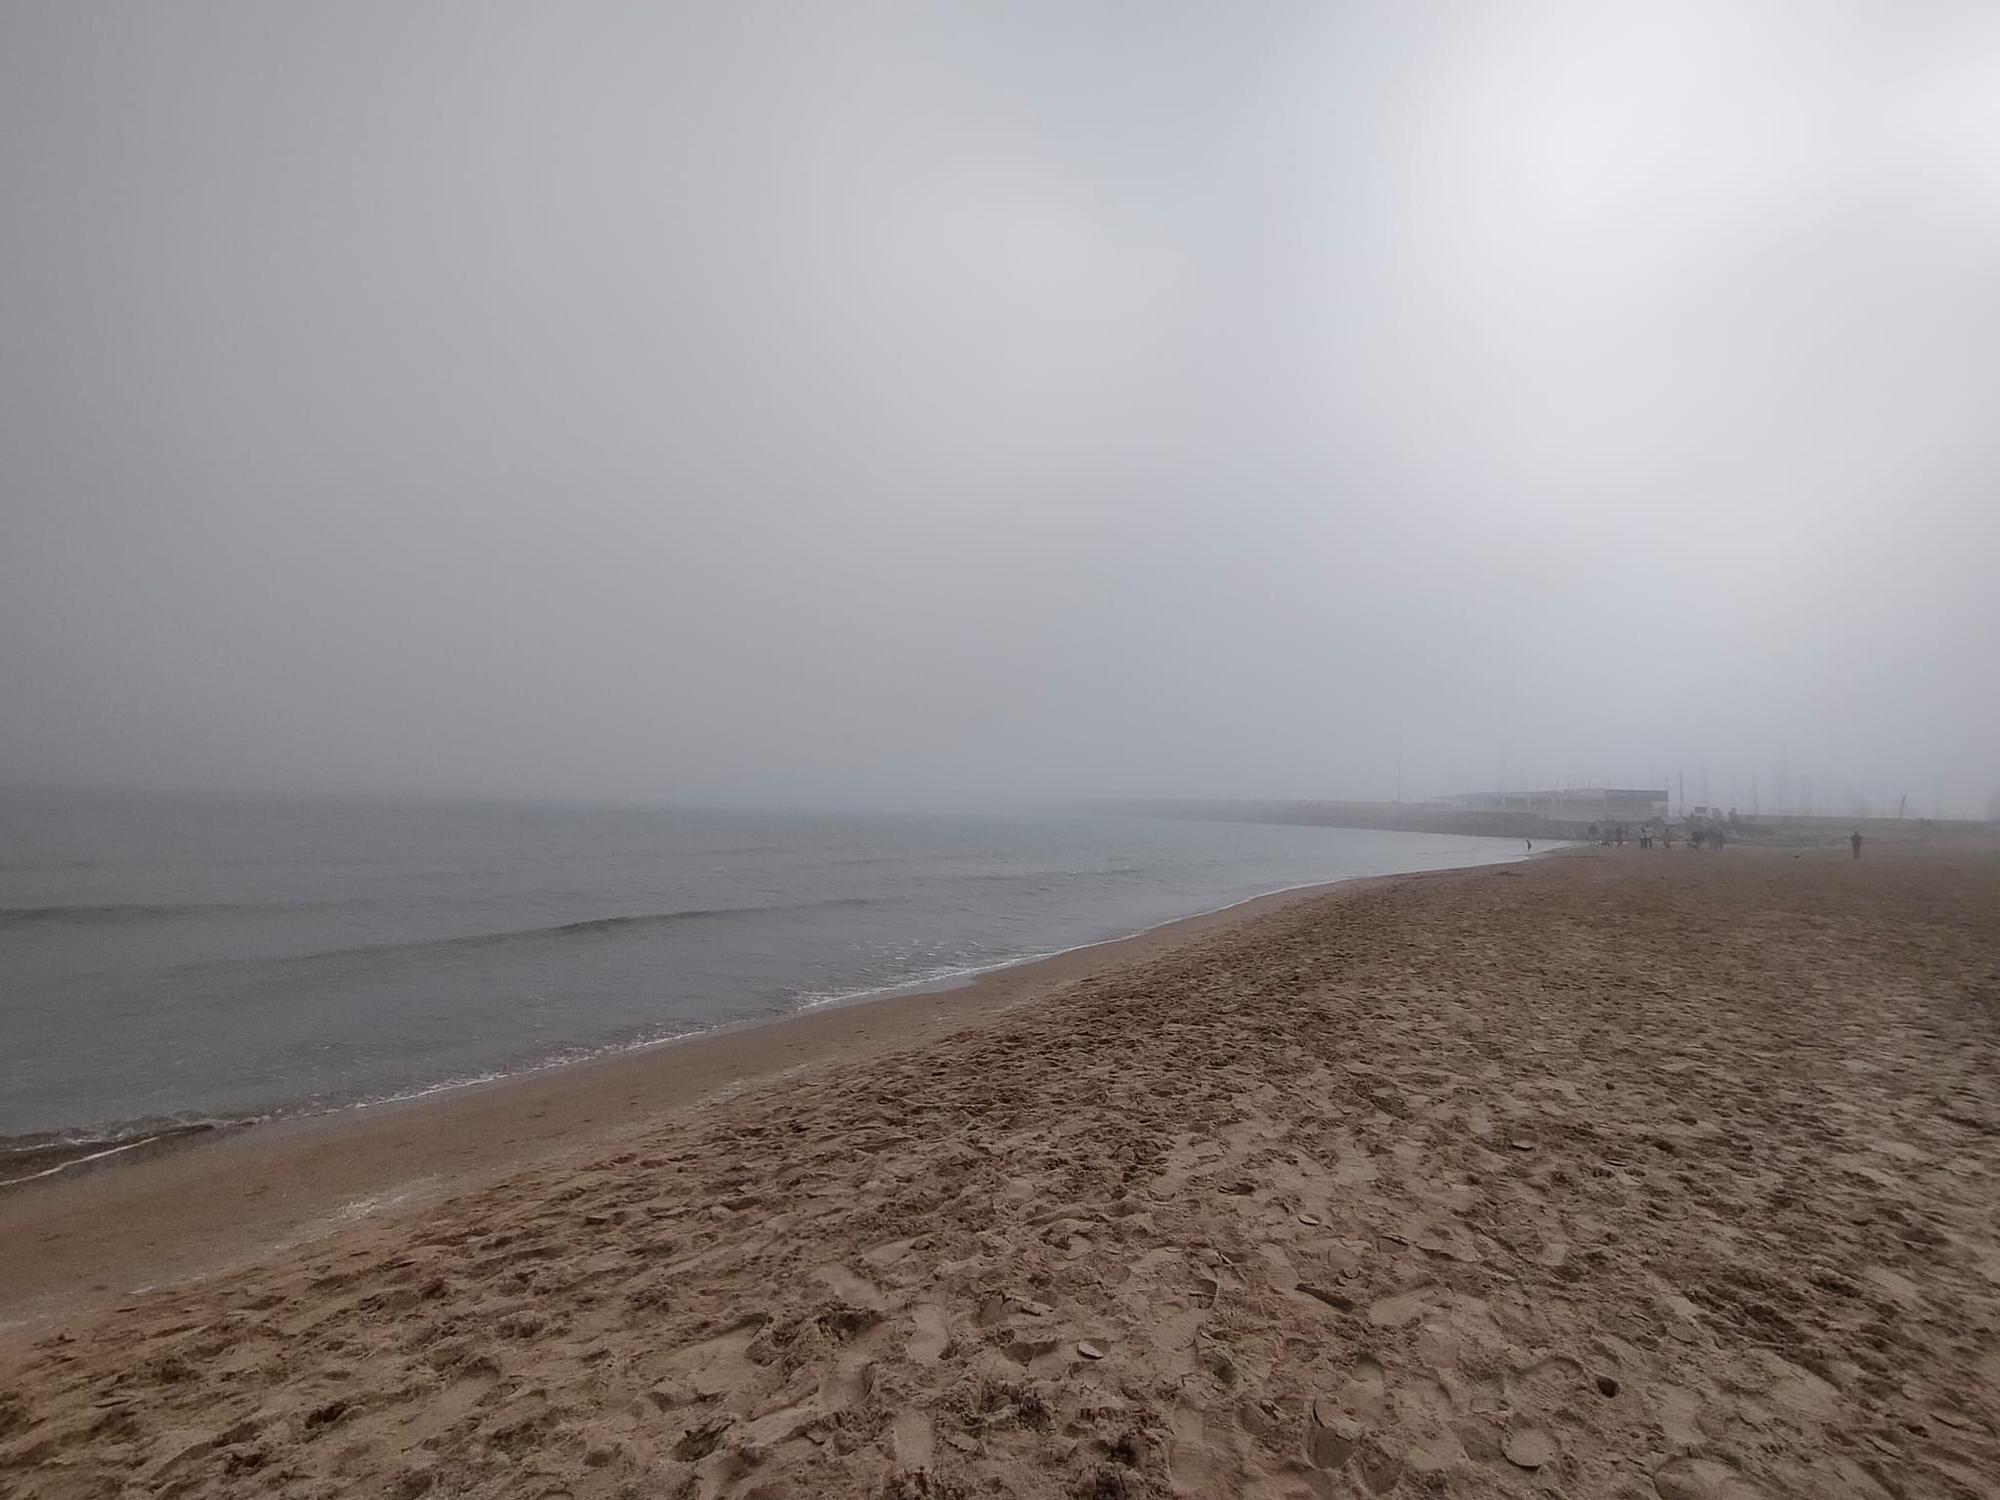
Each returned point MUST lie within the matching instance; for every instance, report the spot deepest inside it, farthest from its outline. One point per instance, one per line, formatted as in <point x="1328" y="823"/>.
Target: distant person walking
<point x="1854" y="842"/>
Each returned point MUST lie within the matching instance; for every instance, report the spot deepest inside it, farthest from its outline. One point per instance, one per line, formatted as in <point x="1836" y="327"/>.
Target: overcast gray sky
<point x="878" y="402"/>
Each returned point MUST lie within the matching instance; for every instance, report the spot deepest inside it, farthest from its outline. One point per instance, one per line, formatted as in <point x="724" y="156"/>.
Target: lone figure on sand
<point x="1854" y="842"/>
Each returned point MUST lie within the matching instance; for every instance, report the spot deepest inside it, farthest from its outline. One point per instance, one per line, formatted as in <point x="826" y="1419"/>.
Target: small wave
<point x="34" y="1157"/>
<point x="110" y="913"/>
<point x="939" y="976"/>
<point x="692" y="914"/>
<point x="566" y="1057"/>
<point x="590" y="927"/>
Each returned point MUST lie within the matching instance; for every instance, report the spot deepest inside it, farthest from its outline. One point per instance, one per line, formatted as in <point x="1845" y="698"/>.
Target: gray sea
<point x="194" y="959"/>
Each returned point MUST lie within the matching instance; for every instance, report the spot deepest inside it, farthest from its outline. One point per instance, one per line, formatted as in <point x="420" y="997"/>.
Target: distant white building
<point x="1579" y="804"/>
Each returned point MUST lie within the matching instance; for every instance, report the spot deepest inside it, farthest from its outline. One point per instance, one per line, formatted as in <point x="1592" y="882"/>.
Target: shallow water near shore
<point x="179" y="960"/>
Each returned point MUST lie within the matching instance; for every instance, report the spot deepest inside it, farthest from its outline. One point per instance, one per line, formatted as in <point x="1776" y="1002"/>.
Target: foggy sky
<point x="806" y="402"/>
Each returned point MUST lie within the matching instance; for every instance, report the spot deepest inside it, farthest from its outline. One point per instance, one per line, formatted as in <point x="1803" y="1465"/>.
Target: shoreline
<point x="197" y="1200"/>
<point x="38" y="1155"/>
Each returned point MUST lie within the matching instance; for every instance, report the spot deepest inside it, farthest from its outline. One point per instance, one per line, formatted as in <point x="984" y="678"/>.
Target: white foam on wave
<point x="118" y="1144"/>
<point x="941" y="977"/>
<point x="569" y="1057"/>
<point x="78" y="1161"/>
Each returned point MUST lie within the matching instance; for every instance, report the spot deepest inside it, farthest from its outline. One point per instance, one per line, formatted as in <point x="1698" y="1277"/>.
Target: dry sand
<point x="1624" y="1173"/>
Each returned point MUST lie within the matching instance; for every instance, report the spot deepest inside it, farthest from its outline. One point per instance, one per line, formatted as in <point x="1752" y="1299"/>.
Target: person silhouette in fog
<point x="1854" y="842"/>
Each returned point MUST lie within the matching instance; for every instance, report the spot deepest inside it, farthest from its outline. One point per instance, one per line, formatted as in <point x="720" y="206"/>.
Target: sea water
<point x="184" y="958"/>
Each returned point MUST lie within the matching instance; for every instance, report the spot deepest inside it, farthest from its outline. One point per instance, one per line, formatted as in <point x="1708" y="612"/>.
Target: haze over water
<point x="181" y="957"/>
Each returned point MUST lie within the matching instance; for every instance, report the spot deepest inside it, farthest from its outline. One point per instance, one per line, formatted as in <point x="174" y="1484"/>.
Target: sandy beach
<point x="1618" y="1173"/>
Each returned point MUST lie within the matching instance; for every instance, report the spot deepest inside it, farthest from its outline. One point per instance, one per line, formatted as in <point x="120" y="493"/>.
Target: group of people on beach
<point x="1701" y="833"/>
<point x="1643" y="834"/>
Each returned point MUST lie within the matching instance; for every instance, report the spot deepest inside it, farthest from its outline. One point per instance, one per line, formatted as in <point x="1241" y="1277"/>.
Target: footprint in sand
<point x="1190" y="1463"/>
<point x="1363" y="1396"/>
<point x="847" y="1386"/>
<point x="1354" y="1169"/>
<point x="1402" y="1309"/>
<point x="1547" y="1383"/>
<point x="1426" y="1441"/>
<point x="889" y="1254"/>
<point x="1175" y="1333"/>
<point x="1800" y="1391"/>
<point x="780" y="1426"/>
<point x="928" y="1335"/>
<point x="913" y="1441"/>
<point x="1331" y="1437"/>
<point x="448" y="1407"/>
<point x="1531" y="1447"/>
<point x="1678" y="1413"/>
<point x="710" y="1369"/>
<point x="1701" y="1479"/>
<point x="849" y="1288"/>
<point x="1278" y="1268"/>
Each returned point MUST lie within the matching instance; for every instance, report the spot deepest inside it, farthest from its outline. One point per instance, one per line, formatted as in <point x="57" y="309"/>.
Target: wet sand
<point x="1623" y="1173"/>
